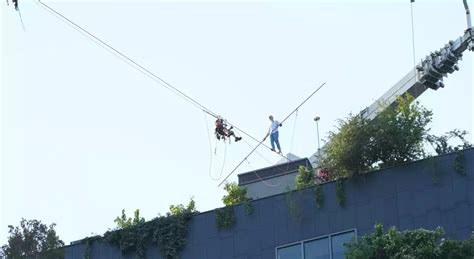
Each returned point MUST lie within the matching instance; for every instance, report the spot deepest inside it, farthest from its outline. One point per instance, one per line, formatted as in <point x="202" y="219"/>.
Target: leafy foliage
<point x="396" y="136"/>
<point x="172" y="230"/>
<point x="319" y="196"/>
<point x="32" y="237"/>
<point x="88" y="246"/>
<point x="168" y="232"/>
<point x="418" y="243"/>
<point x="399" y="132"/>
<point x="340" y="193"/>
<point x="348" y="151"/>
<point x="225" y="217"/>
<point x="293" y="201"/>
<point x="441" y="143"/>
<point x="304" y="178"/>
<point x="235" y="195"/>
<point x="435" y="171"/>
<point x="124" y="222"/>
<point x="177" y="210"/>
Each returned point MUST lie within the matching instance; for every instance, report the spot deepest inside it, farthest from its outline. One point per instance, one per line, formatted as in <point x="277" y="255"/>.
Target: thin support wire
<point x="21" y="20"/>
<point x="210" y="150"/>
<point x="294" y="128"/>
<point x="136" y="65"/>
<point x="413" y="43"/>
<point x="253" y="150"/>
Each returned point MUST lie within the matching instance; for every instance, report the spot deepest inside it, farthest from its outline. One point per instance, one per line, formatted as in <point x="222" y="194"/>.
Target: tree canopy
<point x="417" y="243"/>
<point x="399" y="134"/>
<point x="235" y="194"/>
<point x="29" y="238"/>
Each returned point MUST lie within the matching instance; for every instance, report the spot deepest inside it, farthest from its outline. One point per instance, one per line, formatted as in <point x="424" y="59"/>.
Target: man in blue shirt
<point x="273" y="132"/>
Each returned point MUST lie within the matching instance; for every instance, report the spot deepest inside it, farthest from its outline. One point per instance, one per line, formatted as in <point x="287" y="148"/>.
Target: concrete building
<point x="422" y="194"/>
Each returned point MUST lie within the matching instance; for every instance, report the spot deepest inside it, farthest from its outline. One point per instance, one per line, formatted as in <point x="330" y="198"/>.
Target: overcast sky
<point x="85" y="135"/>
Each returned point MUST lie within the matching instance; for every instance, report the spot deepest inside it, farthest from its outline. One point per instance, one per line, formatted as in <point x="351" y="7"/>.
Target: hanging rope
<point x="294" y="128"/>
<point x="223" y="160"/>
<point x="255" y="172"/>
<point x="210" y="150"/>
<point x="215" y="153"/>
<point x="269" y="162"/>
<point x="153" y="76"/>
<point x="260" y="178"/>
<point x="253" y="150"/>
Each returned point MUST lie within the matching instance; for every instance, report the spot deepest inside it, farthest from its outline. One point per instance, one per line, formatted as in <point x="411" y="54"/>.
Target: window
<point x="338" y="241"/>
<point x="290" y="252"/>
<point x="326" y="247"/>
<point x="317" y="249"/>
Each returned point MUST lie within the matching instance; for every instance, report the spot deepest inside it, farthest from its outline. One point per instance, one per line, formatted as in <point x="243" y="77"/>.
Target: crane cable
<point x="413" y="42"/>
<point x="255" y="148"/>
<point x="140" y="68"/>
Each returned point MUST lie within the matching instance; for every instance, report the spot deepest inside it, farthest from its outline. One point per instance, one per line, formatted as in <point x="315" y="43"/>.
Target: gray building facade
<point x="423" y="194"/>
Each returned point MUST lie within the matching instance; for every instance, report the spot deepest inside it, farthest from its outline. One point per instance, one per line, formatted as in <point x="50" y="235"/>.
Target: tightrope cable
<point x="255" y="148"/>
<point x="137" y="66"/>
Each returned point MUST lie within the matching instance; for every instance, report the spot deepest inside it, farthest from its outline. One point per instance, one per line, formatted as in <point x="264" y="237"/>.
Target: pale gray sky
<point x="85" y="135"/>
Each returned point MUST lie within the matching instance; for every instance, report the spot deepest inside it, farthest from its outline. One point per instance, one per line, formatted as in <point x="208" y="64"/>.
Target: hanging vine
<point x="236" y="194"/>
<point x="459" y="163"/>
<point x="169" y="232"/>
<point x="340" y="192"/>
<point x="88" y="246"/>
<point x="319" y="196"/>
<point x="225" y="217"/>
<point x="294" y="208"/>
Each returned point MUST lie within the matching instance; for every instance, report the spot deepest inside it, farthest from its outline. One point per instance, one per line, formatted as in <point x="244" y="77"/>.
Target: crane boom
<point x="429" y="73"/>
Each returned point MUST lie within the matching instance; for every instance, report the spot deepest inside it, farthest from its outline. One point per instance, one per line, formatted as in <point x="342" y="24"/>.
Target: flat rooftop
<point x="273" y="171"/>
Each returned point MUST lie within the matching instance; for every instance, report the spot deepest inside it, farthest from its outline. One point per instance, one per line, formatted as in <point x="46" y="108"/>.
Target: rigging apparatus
<point x="428" y="74"/>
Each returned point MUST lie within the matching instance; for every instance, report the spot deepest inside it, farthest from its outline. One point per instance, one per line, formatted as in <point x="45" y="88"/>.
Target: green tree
<point x="396" y="136"/>
<point x="348" y="151"/>
<point x="399" y="132"/>
<point x="31" y="237"/>
<point x="235" y="194"/>
<point x="124" y="222"/>
<point x="418" y="243"/>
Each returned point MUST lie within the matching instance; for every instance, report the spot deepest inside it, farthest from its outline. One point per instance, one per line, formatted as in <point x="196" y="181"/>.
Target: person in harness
<point x="15" y="4"/>
<point x="222" y="132"/>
